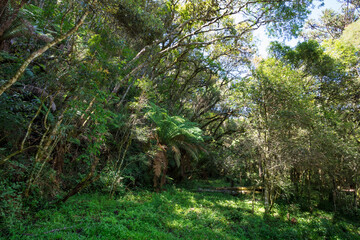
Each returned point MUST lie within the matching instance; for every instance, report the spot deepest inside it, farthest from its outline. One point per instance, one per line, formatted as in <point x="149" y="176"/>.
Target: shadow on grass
<point x="175" y="214"/>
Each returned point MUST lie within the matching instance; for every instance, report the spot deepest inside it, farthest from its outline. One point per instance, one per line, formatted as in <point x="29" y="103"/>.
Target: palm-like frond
<point x="177" y="154"/>
<point x="29" y="22"/>
<point x="176" y="132"/>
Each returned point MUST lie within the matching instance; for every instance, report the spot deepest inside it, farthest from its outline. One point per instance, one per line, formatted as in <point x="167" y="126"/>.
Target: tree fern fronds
<point x="181" y="135"/>
<point x="177" y="154"/>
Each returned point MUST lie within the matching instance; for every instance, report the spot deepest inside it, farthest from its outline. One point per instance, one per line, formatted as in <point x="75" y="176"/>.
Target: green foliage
<point x="138" y="22"/>
<point x="171" y="127"/>
<point x="80" y="113"/>
<point x="16" y="111"/>
<point x="331" y="23"/>
<point x="175" y="132"/>
<point x="309" y="55"/>
<point x="11" y="207"/>
<point x="178" y="213"/>
<point x="289" y="17"/>
<point x="351" y="34"/>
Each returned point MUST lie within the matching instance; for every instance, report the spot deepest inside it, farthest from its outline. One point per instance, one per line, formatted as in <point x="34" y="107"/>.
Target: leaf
<point x="177" y="155"/>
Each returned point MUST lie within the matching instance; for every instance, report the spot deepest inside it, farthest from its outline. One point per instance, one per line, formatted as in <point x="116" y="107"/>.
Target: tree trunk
<point x="84" y="182"/>
<point x="266" y="199"/>
<point x="308" y="188"/>
<point x="334" y="194"/>
<point x="253" y="202"/>
<point x="356" y="197"/>
<point x="160" y="165"/>
<point x="46" y="146"/>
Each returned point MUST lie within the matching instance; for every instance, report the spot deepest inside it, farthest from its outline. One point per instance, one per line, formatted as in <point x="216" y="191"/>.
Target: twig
<point x="51" y="231"/>
<point x="58" y="229"/>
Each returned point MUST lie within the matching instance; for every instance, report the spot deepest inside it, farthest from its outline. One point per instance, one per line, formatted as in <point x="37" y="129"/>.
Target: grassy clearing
<point x="178" y="213"/>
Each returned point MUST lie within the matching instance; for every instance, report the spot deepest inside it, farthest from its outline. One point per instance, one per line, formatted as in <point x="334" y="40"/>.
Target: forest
<point x="160" y="119"/>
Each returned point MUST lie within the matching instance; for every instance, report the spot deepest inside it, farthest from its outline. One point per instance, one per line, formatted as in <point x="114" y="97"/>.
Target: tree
<point x="175" y="134"/>
<point x="280" y="113"/>
<point x="40" y="51"/>
<point x="98" y="69"/>
<point x="331" y="23"/>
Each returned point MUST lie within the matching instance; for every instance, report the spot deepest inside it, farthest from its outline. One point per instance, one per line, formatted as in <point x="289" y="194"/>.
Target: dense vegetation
<point x="180" y="213"/>
<point x="104" y="97"/>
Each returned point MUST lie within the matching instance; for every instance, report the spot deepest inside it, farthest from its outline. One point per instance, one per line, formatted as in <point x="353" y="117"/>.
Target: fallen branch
<point x="233" y="190"/>
<point x="218" y="191"/>
<point x="58" y="229"/>
<point x="348" y="190"/>
<point x="251" y="188"/>
<point x="51" y="231"/>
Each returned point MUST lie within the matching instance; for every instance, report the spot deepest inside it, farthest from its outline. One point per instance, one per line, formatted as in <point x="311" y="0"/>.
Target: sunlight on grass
<point x="179" y="213"/>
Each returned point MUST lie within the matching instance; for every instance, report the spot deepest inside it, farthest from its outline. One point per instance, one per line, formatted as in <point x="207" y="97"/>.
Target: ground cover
<point x="179" y="213"/>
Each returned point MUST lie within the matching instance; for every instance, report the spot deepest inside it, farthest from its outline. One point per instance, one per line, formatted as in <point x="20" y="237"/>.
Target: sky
<point x="264" y="40"/>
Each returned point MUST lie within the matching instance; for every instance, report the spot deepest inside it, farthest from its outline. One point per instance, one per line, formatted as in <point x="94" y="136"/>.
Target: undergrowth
<point x="178" y="213"/>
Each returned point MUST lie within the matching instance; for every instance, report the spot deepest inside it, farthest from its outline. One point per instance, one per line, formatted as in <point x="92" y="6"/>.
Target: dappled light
<point x="165" y="119"/>
<point x="179" y="213"/>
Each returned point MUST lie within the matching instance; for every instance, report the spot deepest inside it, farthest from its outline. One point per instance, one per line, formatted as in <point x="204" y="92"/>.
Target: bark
<point x="7" y="158"/>
<point x="232" y="191"/>
<point x="119" y="166"/>
<point x="80" y="186"/>
<point x="334" y="194"/>
<point x="84" y="182"/>
<point x="39" y="92"/>
<point x="308" y="179"/>
<point x="253" y="202"/>
<point x="356" y="193"/>
<point x="160" y="167"/>
<point x="45" y="148"/>
<point x="251" y="188"/>
<point x="58" y="163"/>
<point x="135" y="70"/>
<point x="39" y="52"/>
<point x="266" y="200"/>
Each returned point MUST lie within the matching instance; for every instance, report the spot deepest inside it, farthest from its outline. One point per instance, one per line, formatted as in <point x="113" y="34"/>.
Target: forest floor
<point x="179" y="213"/>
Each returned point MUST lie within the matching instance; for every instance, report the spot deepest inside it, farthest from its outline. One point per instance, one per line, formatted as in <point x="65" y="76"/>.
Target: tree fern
<point x="177" y="134"/>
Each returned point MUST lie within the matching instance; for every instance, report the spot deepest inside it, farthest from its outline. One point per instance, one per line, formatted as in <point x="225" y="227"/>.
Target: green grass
<point x="178" y="213"/>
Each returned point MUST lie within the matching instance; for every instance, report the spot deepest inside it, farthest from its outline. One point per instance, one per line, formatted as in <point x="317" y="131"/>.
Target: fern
<point x="176" y="132"/>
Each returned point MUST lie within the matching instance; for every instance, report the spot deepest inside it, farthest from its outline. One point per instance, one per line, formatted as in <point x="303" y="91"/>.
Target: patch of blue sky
<point x="263" y="40"/>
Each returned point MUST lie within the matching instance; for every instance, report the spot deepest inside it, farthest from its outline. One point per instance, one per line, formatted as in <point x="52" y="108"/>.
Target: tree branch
<point x="39" y="52"/>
